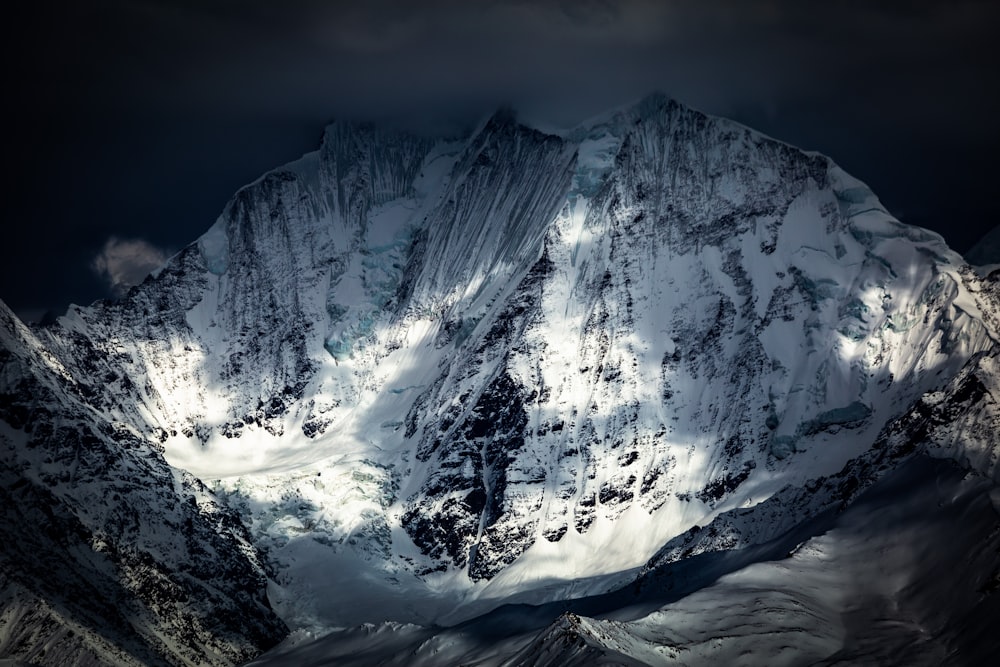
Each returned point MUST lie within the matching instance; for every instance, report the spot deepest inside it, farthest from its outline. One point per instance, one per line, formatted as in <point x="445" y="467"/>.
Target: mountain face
<point x="404" y="381"/>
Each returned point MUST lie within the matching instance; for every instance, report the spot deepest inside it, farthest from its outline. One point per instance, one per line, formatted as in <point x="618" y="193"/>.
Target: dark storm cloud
<point x="311" y="60"/>
<point x="140" y="118"/>
<point x="561" y="58"/>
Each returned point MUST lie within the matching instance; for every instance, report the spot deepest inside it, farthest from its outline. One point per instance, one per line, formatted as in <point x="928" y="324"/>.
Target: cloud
<point x="126" y="262"/>
<point x="558" y="60"/>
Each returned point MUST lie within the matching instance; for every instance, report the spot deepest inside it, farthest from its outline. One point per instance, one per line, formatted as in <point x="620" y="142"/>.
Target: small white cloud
<point x="127" y="262"/>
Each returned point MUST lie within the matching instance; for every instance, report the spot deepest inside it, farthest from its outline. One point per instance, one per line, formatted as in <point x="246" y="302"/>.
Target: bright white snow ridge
<point x="654" y="390"/>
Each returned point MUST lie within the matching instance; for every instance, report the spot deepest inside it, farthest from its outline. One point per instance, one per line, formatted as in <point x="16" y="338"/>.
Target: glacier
<point x="520" y="396"/>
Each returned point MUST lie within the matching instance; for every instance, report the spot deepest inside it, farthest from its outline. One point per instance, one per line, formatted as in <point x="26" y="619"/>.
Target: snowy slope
<point x="434" y="377"/>
<point x="895" y="564"/>
<point x="866" y="592"/>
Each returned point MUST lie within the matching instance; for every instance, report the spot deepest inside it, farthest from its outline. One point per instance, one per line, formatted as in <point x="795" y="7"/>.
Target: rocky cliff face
<point x="448" y="374"/>
<point x="109" y="553"/>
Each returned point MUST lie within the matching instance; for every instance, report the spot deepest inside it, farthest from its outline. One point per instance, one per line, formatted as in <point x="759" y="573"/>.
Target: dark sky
<point x="130" y="123"/>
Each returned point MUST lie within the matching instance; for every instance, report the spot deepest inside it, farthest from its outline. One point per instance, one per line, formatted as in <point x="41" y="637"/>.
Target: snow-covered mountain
<point x="423" y="396"/>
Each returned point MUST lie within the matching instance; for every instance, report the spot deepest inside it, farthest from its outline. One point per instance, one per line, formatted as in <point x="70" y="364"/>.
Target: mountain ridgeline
<point x="403" y="382"/>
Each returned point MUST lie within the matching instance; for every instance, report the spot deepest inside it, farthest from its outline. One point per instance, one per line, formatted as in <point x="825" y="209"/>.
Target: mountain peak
<point x="439" y="376"/>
